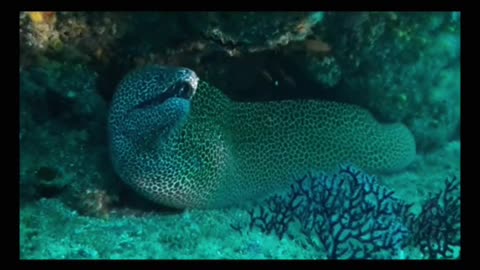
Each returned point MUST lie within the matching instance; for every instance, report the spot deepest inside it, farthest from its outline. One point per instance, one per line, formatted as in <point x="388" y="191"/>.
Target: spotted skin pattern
<point x="210" y="151"/>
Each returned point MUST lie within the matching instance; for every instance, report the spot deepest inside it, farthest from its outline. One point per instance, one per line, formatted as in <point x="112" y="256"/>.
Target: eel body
<point x="182" y="143"/>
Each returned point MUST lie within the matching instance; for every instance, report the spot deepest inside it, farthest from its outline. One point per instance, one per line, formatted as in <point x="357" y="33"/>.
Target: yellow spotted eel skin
<point x="182" y="143"/>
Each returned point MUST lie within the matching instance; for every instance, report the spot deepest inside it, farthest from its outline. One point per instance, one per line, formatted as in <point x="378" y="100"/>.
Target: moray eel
<point x="182" y="143"/>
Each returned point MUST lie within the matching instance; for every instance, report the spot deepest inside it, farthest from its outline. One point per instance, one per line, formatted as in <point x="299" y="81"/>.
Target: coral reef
<point x="297" y="53"/>
<point x="72" y="36"/>
<point x="62" y="119"/>
<point x="403" y="67"/>
<point x="258" y="31"/>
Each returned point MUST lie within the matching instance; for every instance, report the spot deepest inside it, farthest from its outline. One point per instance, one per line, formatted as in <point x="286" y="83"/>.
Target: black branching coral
<point x="436" y="230"/>
<point x="348" y="215"/>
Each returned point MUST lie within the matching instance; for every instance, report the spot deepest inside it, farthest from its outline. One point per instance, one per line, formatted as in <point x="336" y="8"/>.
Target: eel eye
<point x="186" y="91"/>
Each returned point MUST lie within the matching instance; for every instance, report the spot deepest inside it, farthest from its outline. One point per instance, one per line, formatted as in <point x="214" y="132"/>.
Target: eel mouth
<point x="183" y="89"/>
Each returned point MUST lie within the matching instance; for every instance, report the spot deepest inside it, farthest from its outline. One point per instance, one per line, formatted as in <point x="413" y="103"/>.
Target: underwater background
<point x="403" y="67"/>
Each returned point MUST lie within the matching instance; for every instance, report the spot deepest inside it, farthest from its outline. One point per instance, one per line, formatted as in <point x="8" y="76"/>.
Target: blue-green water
<point x="401" y="67"/>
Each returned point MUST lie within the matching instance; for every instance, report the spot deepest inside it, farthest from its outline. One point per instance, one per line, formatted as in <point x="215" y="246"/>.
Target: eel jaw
<point x="188" y="86"/>
<point x="185" y="89"/>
